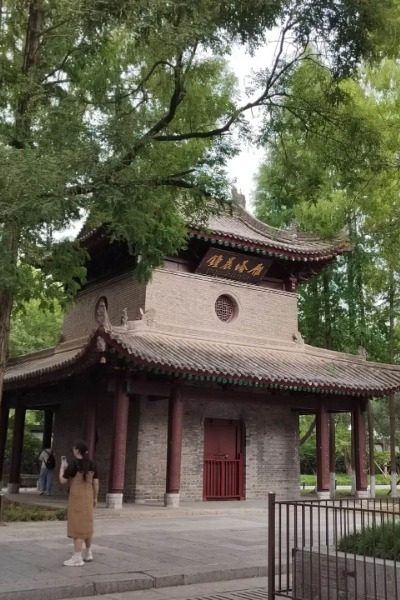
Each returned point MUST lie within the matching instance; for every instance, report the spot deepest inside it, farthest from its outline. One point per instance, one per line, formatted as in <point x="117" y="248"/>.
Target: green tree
<point x="34" y="327"/>
<point x="337" y="167"/>
<point x="119" y="111"/>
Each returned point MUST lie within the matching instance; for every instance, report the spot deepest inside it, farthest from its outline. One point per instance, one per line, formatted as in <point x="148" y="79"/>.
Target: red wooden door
<point x="223" y="462"/>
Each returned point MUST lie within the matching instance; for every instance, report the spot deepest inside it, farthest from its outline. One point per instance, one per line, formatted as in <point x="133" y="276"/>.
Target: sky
<point x="243" y="168"/>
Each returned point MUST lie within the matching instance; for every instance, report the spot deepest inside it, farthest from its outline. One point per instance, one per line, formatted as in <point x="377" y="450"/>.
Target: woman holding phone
<point x="83" y="482"/>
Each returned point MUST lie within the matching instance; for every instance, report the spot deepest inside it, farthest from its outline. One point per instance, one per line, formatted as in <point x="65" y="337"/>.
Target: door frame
<point x="241" y="430"/>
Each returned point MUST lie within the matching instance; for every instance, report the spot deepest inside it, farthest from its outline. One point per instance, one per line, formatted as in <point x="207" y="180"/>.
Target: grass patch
<point x="339" y="494"/>
<point x="380" y="542"/>
<point x="343" y="479"/>
<point x="13" y="512"/>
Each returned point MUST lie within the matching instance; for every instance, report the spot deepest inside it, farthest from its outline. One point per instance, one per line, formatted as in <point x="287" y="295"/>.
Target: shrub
<point x="381" y="542"/>
<point x="23" y="512"/>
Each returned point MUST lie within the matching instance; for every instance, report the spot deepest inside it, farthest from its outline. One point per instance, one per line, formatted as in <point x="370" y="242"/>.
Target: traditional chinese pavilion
<point x="190" y="387"/>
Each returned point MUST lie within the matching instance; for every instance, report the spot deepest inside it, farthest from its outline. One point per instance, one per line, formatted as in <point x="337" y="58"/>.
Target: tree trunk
<point x="10" y="231"/>
<point x="9" y="250"/>
<point x="6" y="302"/>
<point x="309" y="432"/>
<point x="392" y="398"/>
<point x="350" y="285"/>
<point x="327" y="309"/>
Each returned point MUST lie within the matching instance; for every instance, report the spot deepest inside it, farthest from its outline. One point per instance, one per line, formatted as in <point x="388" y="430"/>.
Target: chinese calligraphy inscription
<point x="230" y="265"/>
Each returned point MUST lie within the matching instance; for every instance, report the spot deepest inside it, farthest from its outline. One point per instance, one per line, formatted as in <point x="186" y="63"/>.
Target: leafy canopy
<point x="119" y="111"/>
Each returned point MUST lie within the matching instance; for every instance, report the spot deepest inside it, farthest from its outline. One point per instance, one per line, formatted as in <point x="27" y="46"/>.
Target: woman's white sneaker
<point x="74" y="561"/>
<point x="87" y="555"/>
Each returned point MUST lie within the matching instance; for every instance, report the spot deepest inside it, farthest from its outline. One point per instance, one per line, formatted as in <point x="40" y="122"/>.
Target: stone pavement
<point x="239" y="589"/>
<point x="140" y="548"/>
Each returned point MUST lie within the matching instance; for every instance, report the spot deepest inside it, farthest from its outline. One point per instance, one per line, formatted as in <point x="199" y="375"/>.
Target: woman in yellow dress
<point x="83" y="489"/>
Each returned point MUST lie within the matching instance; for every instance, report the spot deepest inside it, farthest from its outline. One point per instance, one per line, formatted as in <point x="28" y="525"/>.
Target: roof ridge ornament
<point x="362" y="352"/>
<point x="237" y="197"/>
<point x="146" y="317"/>
<point x="124" y="318"/>
<point x="298" y="338"/>
<point x="101" y="314"/>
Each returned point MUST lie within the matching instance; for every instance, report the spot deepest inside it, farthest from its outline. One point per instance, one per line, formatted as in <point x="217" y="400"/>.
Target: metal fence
<point x="312" y="553"/>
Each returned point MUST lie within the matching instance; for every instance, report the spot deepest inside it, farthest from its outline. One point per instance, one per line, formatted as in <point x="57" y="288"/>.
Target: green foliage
<point x="331" y="166"/>
<point x="307" y="450"/>
<point x="381" y="541"/>
<point x="119" y="112"/>
<point x="35" y="328"/>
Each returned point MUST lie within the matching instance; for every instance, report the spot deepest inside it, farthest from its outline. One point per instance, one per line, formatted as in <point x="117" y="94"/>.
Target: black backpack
<point x="50" y="461"/>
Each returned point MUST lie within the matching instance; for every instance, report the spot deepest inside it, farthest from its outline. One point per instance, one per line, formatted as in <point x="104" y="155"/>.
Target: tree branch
<point x="177" y="97"/>
<point x="308" y="433"/>
<point x="273" y="78"/>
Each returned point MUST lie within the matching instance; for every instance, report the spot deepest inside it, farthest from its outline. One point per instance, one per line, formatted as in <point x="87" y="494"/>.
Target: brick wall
<point x="183" y="301"/>
<point x="271" y="463"/>
<point x="151" y="451"/>
<point x="121" y="292"/>
<point x="271" y="457"/>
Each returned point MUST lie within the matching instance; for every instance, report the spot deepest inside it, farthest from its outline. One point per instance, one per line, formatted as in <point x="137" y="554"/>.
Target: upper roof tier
<point x="236" y="228"/>
<point x="239" y="229"/>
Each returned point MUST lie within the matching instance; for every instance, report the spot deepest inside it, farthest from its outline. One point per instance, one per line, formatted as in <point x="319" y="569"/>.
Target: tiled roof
<point x="297" y="368"/>
<point x="294" y="367"/>
<point x="240" y="229"/>
<point x="240" y="226"/>
<point x="39" y="364"/>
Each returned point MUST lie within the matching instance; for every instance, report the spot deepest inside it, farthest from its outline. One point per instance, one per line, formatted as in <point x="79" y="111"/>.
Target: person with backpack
<point x="47" y="463"/>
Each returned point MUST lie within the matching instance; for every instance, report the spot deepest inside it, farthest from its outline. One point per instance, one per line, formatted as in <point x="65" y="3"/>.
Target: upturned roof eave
<point x="388" y="376"/>
<point x="267" y="248"/>
<point x="293" y="245"/>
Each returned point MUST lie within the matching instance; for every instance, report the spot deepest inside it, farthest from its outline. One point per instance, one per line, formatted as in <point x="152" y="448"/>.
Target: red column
<point x="90" y="423"/>
<point x="174" y="450"/>
<point x="118" y="445"/>
<point x="48" y="428"/>
<point x="4" y="412"/>
<point x="323" y="477"/>
<point x="16" y="452"/>
<point x="359" y="433"/>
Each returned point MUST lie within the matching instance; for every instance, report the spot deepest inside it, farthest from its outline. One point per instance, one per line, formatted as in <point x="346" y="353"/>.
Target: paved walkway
<point x="142" y="547"/>
<point x="239" y="589"/>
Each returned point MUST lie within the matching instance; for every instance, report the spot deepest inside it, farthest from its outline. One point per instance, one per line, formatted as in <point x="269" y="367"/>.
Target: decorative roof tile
<point x="240" y="226"/>
<point x="39" y="364"/>
<point x="294" y="367"/>
<point x="297" y="368"/>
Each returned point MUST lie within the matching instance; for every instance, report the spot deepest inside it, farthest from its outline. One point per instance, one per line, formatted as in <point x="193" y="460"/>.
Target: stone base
<point x="171" y="500"/>
<point x="323" y="494"/>
<point x="372" y="487"/>
<point x="332" y="485"/>
<point x="13" y="488"/>
<point x="114" y="501"/>
<point x="362" y="494"/>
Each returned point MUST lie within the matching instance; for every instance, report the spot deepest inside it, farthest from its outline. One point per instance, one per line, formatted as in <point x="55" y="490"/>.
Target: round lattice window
<point x="226" y="308"/>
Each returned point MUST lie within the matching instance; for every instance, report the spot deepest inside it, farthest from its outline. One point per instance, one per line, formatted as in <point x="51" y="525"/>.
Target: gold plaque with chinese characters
<point x="232" y="265"/>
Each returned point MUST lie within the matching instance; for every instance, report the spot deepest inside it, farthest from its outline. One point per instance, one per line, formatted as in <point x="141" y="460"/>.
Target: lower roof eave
<point x="190" y="375"/>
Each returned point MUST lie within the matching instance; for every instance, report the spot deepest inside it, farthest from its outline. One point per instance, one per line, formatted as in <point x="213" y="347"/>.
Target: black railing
<point x="345" y="549"/>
